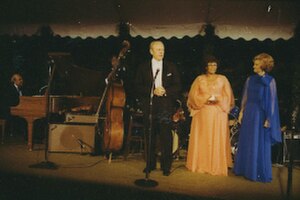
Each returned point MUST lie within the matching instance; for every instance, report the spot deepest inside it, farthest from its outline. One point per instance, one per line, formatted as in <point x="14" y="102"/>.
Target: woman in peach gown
<point x="209" y="101"/>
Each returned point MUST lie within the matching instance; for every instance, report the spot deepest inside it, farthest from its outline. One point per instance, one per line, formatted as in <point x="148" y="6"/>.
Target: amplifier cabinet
<point x="72" y="138"/>
<point x="289" y="144"/>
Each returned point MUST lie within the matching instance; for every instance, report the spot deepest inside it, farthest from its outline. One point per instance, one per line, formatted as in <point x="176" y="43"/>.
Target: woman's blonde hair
<point x="267" y="61"/>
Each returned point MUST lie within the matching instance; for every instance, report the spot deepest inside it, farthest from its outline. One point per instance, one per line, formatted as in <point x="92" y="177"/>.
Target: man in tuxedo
<point x="10" y="95"/>
<point x="158" y="80"/>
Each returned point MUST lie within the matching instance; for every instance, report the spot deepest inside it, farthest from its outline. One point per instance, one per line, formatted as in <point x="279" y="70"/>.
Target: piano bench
<point x="2" y="124"/>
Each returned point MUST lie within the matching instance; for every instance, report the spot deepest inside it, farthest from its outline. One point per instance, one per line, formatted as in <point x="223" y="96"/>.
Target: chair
<point x="2" y="124"/>
<point x="135" y="133"/>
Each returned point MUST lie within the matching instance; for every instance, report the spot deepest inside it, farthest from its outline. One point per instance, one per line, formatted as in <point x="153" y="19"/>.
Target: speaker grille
<point x="71" y="138"/>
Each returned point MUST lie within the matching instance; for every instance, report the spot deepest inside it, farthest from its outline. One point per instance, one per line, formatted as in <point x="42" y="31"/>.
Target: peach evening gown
<point x="209" y="146"/>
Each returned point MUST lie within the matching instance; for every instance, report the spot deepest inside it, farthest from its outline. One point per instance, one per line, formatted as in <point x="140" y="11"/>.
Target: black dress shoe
<point x="166" y="173"/>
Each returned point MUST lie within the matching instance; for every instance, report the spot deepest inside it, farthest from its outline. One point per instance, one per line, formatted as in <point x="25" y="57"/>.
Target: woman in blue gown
<point x="260" y="125"/>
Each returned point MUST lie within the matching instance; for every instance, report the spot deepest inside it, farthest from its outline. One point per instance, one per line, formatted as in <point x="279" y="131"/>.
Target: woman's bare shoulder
<point x="223" y="77"/>
<point x="200" y="77"/>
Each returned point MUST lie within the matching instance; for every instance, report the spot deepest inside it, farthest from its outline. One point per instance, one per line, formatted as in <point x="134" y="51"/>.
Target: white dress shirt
<point x="19" y="91"/>
<point x="157" y="65"/>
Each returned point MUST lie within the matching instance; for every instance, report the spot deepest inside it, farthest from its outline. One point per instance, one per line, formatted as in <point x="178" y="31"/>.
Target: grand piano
<point x="71" y="87"/>
<point x="30" y="108"/>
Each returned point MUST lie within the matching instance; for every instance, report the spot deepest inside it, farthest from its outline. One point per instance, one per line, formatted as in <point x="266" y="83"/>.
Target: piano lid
<point x="70" y="79"/>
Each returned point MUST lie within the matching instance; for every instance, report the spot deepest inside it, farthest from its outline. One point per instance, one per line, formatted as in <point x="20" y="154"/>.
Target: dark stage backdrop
<point x="29" y="55"/>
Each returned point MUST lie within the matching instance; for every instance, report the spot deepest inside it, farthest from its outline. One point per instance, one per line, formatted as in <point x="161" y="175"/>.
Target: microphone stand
<point x="46" y="164"/>
<point x="82" y="146"/>
<point x="147" y="182"/>
<point x="81" y="143"/>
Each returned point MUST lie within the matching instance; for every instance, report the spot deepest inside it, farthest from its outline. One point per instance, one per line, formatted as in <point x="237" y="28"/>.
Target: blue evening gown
<point x="253" y="158"/>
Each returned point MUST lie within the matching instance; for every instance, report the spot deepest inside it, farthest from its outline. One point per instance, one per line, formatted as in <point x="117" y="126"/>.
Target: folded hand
<point x="159" y="91"/>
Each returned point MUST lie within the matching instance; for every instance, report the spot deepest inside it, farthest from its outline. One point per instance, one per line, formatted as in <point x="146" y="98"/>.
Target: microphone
<point x="50" y="65"/>
<point x="156" y="73"/>
<point x="79" y="141"/>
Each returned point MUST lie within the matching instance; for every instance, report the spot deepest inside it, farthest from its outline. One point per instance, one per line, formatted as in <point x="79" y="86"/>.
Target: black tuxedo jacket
<point x="9" y="97"/>
<point x="170" y="81"/>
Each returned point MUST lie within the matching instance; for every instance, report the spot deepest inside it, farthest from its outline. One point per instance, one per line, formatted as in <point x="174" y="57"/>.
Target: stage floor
<point x="92" y="177"/>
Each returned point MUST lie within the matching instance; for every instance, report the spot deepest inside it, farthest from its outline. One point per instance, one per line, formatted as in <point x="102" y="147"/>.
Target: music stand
<point x="290" y="168"/>
<point x="147" y="182"/>
<point x="46" y="164"/>
<point x="291" y="153"/>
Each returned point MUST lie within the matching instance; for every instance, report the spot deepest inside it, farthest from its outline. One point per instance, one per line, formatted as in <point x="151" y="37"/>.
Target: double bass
<point x="113" y="133"/>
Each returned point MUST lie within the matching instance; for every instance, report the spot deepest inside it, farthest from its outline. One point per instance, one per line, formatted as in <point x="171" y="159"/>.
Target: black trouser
<point x="161" y="134"/>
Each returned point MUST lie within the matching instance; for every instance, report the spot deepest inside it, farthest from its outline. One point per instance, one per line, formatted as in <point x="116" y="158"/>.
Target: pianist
<point x="10" y="94"/>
